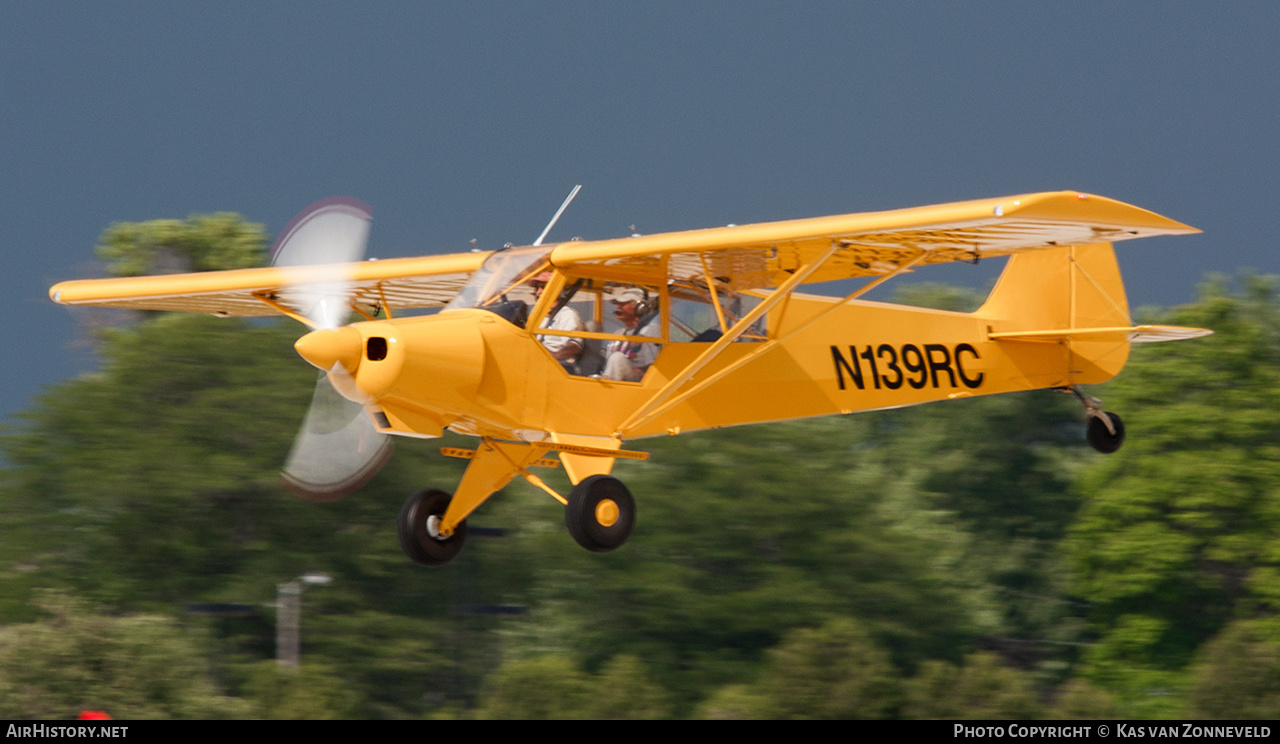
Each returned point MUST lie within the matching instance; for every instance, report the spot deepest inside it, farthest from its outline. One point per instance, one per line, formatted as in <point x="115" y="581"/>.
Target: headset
<point x="647" y="306"/>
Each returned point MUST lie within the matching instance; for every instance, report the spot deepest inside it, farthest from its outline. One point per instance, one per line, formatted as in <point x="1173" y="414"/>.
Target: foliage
<point x="552" y="687"/>
<point x="1078" y="700"/>
<point x="158" y="476"/>
<point x="548" y="687"/>
<point x="133" y="667"/>
<point x="735" y="703"/>
<point x="1179" y="531"/>
<point x="389" y="665"/>
<point x="1237" y="674"/>
<point x="309" y="693"/>
<point x="835" y="671"/>
<point x="623" y="690"/>
<point x="985" y="481"/>
<point x="981" y="688"/>
<point x="202" y="242"/>
<point x="938" y="296"/>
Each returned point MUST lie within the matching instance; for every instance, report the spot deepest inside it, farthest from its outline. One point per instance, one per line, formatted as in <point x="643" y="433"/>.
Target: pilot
<point x="629" y="360"/>
<point x="563" y="318"/>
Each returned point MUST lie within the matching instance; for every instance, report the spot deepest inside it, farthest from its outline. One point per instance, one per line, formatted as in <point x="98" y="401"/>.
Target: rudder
<point x="1057" y="294"/>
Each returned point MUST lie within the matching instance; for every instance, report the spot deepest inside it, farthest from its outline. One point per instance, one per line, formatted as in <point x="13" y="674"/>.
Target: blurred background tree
<point x="1178" y="533"/>
<point x="202" y="242"/>
<point x="1237" y="673"/>
<point x="80" y="658"/>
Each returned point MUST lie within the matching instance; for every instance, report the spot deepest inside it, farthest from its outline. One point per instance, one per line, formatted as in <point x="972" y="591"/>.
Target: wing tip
<point x="1100" y="207"/>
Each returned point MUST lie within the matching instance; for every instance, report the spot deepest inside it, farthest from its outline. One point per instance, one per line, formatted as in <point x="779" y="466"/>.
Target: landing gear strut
<point x="1105" y="430"/>
<point x="418" y="528"/>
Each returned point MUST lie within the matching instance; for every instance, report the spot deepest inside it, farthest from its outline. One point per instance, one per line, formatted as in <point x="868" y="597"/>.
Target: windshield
<point x="499" y="285"/>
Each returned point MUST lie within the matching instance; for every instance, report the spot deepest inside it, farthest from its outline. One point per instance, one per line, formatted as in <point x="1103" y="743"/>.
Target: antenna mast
<point x="559" y="212"/>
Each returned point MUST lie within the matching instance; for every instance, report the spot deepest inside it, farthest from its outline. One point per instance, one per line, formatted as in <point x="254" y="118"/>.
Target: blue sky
<point x="473" y="120"/>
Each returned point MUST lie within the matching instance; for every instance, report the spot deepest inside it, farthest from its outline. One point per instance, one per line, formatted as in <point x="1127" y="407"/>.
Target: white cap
<point x="630" y="294"/>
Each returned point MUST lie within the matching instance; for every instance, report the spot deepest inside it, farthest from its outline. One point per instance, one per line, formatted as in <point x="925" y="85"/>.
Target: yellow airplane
<point x="576" y="347"/>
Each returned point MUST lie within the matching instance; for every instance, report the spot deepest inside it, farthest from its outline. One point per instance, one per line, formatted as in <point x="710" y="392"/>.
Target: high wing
<point x="873" y="243"/>
<point x="738" y="256"/>
<point x="398" y="283"/>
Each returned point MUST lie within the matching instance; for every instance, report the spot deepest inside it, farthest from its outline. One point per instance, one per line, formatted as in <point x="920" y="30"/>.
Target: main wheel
<point x="600" y="513"/>
<point x="1100" y="438"/>
<point x="417" y="528"/>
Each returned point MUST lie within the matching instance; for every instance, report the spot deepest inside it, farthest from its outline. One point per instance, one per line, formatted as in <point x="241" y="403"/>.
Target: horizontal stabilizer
<point x="1140" y="334"/>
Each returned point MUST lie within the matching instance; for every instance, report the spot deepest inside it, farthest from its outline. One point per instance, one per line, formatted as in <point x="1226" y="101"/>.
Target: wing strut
<point x="711" y="288"/>
<point x="662" y="400"/>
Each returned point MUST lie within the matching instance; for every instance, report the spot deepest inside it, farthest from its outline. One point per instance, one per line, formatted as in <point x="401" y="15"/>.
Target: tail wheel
<point x="419" y="531"/>
<point x="600" y="513"/>
<point x="1103" y="439"/>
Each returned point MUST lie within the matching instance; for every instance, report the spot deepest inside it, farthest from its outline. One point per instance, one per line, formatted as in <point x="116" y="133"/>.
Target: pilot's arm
<point x="563" y="348"/>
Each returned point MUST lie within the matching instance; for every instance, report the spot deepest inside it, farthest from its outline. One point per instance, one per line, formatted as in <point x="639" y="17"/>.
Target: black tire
<point x="600" y="513"/>
<point x="1103" y="440"/>
<point x="416" y="541"/>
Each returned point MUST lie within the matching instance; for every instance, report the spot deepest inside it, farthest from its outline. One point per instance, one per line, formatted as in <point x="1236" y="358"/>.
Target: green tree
<point x="390" y="664"/>
<point x="623" y="691"/>
<point x="1078" y="700"/>
<point x="202" y="242"/>
<point x="1237" y="673"/>
<point x="735" y="703"/>
<point x="551" y="686"/>
<point x="938" y="296"/>
<point x="835" y="671"/>
<point x="135" y="666"/>
<point x="310" y="693"/>
<point x="987" y="481"/>
<point x="157" y="477"/>
<point x="981" y="688"/>
<point x="1179" y="531"/>
<point x="547" y="687"/>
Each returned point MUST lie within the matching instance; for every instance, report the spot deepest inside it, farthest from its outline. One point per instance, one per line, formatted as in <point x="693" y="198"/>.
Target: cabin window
<point x="501" y="284"/>
<point x="602" y="319"/>
<point x="702" y="315"/>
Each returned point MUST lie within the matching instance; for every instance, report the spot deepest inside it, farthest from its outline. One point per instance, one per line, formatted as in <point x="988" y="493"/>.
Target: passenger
<point x="563" y="318"/>
<point x="629" y="360"/>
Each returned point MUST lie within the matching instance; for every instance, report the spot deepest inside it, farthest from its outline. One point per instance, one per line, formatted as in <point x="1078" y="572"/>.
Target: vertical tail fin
<point x="1071" y="295"/>
<point x="1073" y="287"/>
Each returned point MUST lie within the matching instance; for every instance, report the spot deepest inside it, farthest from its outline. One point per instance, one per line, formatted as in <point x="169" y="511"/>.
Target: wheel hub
<point x="607" y="512"/>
